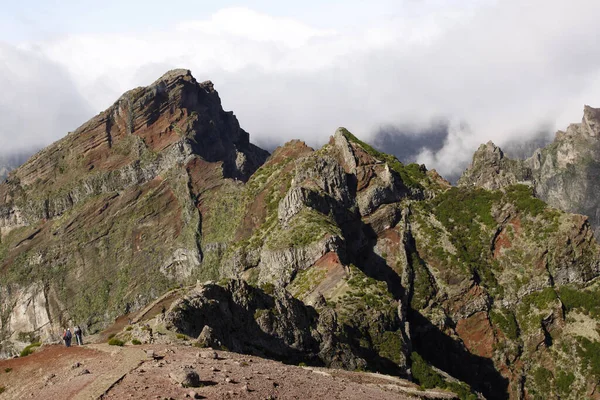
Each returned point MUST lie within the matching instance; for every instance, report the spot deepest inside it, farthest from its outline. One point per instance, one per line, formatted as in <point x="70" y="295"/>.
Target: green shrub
<point x="424" y="374"/>
<point x="522" y="197"/>
<point x="29" y="349"/>
<point x="391" y="346"/>
<point x="268" y="288"/>
<point x="115" y="342"/>
<point x="2" y="389"/>
<point x="129" y="328"/>
<point x="428" y="378"/>
<point x="506" y="321"/>
<point x="7" y="370"/>
<point x="542" y="378"/>
<point x="135" y="342"/>
<point x="584" y="300"/>
<point x="564" y="381"/>
<point x="181" y="336"/>
<point x="302" y="364"/>
<point x="589" y="352"/>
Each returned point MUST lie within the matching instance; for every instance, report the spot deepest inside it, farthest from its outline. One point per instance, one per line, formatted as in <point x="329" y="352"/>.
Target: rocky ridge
<point x="340" y="256"/>
<point x="563" y="173"/>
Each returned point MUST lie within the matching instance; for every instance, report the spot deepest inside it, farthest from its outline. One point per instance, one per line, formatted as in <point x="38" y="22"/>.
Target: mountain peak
<point x="175" y="74"/>
<point x="492" y="170"/>
<point x="141" y="136"/>
<point x="591" y="119"/>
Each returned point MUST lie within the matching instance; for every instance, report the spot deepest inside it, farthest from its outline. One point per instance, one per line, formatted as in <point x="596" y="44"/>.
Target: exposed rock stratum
<point x="339" y="257"/>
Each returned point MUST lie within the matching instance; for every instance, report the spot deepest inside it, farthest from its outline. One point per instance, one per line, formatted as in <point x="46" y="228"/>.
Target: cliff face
<point x="103" y="220"/>
<point x="341" y="256"/>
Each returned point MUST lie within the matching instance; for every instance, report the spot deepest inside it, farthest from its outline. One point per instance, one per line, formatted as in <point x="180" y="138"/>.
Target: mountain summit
<point x="104" y="217"/>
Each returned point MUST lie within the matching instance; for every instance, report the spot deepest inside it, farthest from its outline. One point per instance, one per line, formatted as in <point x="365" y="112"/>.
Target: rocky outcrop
<point x="492" y="170"/>
<point x="563" y="173"/>
<point x="246" y="319"/>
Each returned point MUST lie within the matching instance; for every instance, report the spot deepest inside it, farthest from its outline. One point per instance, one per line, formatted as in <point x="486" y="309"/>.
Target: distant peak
<point x="175" y="73"/>
<point x="174" y="76"/>
<point x="490" y="147"/>
<point x="591" y="118"/>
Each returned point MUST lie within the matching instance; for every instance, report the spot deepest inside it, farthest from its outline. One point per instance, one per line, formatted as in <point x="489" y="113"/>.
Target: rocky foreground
<point x="181" y="371"/>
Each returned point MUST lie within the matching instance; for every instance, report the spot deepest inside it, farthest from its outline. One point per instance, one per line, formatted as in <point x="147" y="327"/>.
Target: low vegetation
<point x="30" y="349"/>
<point x="505" y="320"/>
<point x="411" y="174"/>
<point x="116" y="342"/>
<point x="585" y="301"/>
<point x="428" y="378"/>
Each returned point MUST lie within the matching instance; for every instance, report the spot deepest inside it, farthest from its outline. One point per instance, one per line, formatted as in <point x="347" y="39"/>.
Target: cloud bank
<point x="493" y="70"/>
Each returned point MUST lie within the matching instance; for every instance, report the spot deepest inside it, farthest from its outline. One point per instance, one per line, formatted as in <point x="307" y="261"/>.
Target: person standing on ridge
<point x="78" y="335"/>
<point x="67" y="337"/>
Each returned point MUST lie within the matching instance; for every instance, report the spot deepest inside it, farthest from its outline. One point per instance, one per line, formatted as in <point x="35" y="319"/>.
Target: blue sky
<point x="496" y="70"/>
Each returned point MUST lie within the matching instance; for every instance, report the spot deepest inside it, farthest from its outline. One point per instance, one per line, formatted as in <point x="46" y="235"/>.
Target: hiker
<point x="78" y="336"/>
<point x="67" y="337"/>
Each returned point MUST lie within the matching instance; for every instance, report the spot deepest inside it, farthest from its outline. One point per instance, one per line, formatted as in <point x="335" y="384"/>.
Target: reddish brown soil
<point x="503" y="239"/>
<point x="128" y="373"/>
<point x="477" y="334"/>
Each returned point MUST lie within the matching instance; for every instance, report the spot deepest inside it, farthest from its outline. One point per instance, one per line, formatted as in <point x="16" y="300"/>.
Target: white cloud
<point x="500" y="68"/>
<point x="38" y="100"/>
<point x="250" y="25"/>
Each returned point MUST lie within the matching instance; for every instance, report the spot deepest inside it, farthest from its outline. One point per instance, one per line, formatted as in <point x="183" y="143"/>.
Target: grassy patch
<point x="392" y="347"/>
<point x="136" y="342"/>
<point x="466" y="214"/>
<point x="588" y="302"/>
<point x="268" y="288"/>
<point x="306" y="281"/>
<point x="522" y="197"/>
<point x="306" y="227"/>
<point x="505" y="320"/>
<point x="428" y="378"/>
<point x="424" y="374"/>
<point x="589" y="352"/>
<point x="7" y="370"/>
<point x="423" y="289"/>
<point x="116" y="342"/>
<point x="30" y="349"/>
<point x="543" y="379"/>
<point x="531" y="310"/>
<point x="563" y="382"/>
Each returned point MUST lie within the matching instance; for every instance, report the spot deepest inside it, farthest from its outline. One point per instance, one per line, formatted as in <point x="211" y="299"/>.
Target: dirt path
<point x="130" y="358"/>
<point x="107" y="372"/>
<point x="156" y="307"/>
